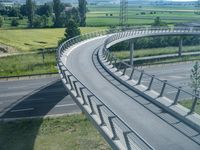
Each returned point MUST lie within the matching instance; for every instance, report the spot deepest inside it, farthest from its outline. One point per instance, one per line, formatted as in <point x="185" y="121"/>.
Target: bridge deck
<point x="158" y="128"/>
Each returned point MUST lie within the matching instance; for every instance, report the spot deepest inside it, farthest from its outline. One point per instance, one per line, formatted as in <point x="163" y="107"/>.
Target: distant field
<point x="109" y="15"/>
<point x="34" y="39"/>
<point x="64" y="133"/>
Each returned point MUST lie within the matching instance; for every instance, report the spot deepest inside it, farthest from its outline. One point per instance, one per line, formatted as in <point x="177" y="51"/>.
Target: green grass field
<point x="100" y="15"/>
<point x="28" y="64"/>
<point x="34" y="39"/>
<point x="63" y="133"/>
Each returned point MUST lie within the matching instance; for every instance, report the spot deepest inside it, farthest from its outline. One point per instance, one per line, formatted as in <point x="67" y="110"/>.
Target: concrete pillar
<point x="180" y="47"/>
<point x="131" y="42"/>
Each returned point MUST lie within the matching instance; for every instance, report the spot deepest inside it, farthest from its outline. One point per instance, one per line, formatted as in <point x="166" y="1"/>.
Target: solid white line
<point x="65" y="105"/>
<point x="19" y="110"/>
<point x="171" y="92"/>
<point x="16" y="87"/>
<point x="34" y="99"/>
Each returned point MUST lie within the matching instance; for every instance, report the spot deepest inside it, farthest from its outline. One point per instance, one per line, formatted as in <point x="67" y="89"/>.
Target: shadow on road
<point x="22" y="134"/>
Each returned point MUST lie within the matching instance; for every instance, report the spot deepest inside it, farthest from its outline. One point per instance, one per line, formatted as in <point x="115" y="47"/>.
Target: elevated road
<point x="160" y="129"/>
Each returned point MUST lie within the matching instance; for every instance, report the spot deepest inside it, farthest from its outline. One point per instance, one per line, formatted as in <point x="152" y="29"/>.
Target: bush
<point x="1" y="21"/>
<point x="14" y="23"/>
<point x="37" y="22"/>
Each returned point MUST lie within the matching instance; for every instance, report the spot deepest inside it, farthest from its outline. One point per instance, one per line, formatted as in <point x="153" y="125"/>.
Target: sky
<point x="184" y="0"/>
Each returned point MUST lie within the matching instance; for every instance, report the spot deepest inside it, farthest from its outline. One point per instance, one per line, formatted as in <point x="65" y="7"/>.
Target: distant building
<point x="7" y="3"/>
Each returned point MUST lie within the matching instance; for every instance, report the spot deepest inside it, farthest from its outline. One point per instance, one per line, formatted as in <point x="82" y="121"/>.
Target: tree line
<point x="157" y="42"/>
<point x="40" y="15"/>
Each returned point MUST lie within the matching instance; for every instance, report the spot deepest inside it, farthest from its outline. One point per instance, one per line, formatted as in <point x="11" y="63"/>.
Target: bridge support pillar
<point x="131" y="43"/>
<point x="180" y="47"/>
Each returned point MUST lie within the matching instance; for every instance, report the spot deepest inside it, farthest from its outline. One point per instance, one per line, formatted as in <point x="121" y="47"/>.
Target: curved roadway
<point x="158" y="132"/>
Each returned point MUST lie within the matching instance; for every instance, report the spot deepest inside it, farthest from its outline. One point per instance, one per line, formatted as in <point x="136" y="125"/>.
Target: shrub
<point x="1" y="21"/>
<point x="14" y="23"/>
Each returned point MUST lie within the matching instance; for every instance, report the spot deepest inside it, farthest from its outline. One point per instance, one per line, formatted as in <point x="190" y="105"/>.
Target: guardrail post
<point x="194" y="105"/>
<point x="70" y="82"/>
<point x="76" y="89"/>
<point x="132" y="72"/>
<point x="107" y="56"/>
<point x="119" y="66"/>
<point x="163" y="88"/>
<point x="115" y="137"/>
<point x="100" y="115"/>
<point x="90" y="103"/>
<point x="82" y="95"/>
<point x="65" y="76"/>
<point x="131" y="51"/>
<point x="177" y="96"/>
<point x="150" y="84"/>
<point x="111" y="59"/>
<point x="115" y="63"/>
<point x="180" y="47"/>
<point x="140" y="79"/>
<point x="124" y="72"/>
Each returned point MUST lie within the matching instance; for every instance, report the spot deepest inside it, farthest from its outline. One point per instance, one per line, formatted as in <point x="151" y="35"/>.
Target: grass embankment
<point x="63" y="133"/>
<point x="188" y="104"/>
<point x="28" y="64"/>
<point x="36" y="39"/>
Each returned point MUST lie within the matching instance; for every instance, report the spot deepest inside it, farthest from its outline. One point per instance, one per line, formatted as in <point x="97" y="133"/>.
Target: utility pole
<point x="123" y="15"/>
<point x="197" y="9"/>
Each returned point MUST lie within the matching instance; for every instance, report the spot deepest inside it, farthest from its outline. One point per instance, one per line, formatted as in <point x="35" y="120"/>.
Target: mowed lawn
<point x="34" y="39"/>
<point x="64" y="133"/>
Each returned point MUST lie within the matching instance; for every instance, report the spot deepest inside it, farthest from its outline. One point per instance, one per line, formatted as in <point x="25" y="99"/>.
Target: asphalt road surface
<point x="34" y="97"/>
<point x="158" y="128"/>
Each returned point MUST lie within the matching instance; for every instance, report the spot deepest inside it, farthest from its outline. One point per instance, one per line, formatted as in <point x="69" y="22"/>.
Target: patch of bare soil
<point x="4" y="49"/>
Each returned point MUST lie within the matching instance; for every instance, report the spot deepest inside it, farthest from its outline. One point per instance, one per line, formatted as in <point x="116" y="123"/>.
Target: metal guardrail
<point x="119" y="130"/>
<point x="163" y="88"/>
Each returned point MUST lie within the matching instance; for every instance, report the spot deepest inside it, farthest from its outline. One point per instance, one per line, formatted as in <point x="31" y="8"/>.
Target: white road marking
<point x="176" y="77"/>
<point x="17" y="87"/>
<point x="20" y="110"/>
<point x="65" y="105"/>
<point x="34" y="99"/>
<point x="172" y="92"/>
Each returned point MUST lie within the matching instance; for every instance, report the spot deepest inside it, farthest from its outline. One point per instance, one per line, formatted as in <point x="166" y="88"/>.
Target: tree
<point x="13" y="12"/>
<point x="30" y="8"/>
<point x="45" y="9"/>
<point x="1" y="21"/>
<point x="195" y="78"/>
<point x="158" y="22"/>
<point x="57" y="9"/>
<point x="72" y="30"/>
<point x="23" y="10"/>
<point x="82" y="12"/>
<point x="37" y="22"/>
<point x="14" y="23"/>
